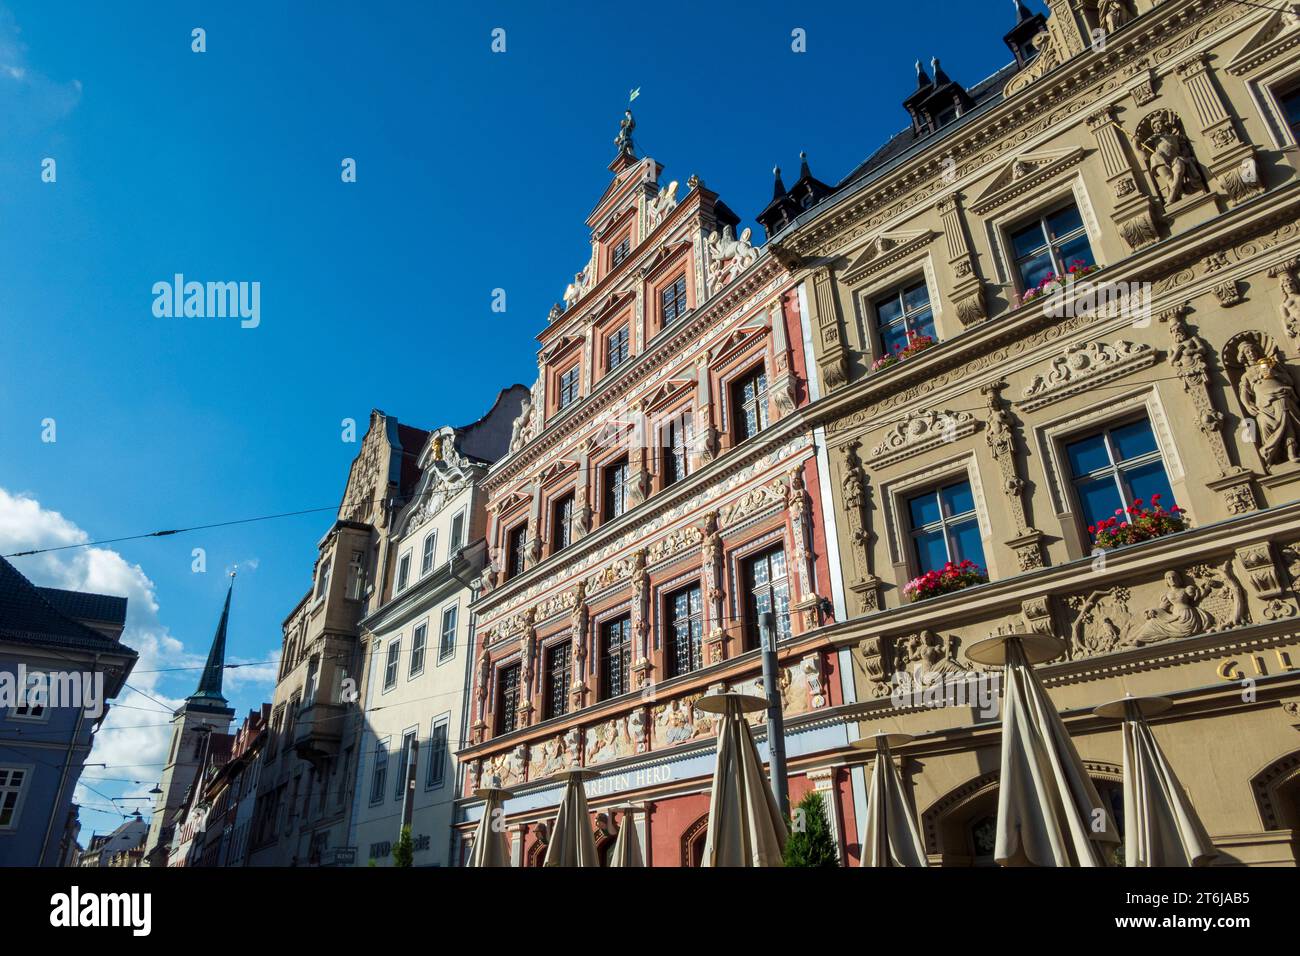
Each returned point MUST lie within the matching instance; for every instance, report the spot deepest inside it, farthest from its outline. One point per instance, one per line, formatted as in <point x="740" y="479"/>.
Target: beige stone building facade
<point x="976" y="408"/>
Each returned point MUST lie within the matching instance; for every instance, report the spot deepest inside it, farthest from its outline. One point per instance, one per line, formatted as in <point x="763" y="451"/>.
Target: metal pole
<point x="775" y="719"/>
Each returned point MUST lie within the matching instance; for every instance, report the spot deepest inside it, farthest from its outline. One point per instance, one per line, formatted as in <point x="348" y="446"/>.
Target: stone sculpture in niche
<point x="1268" y="395"/>
<point x="1170" y="160"/>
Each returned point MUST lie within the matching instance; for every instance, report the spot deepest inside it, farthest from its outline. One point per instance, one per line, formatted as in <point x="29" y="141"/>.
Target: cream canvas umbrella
<point x="489" y="847"/>
<point x="572" y="841"/>
<point x="1049" y="812"/>
<point x="1161" y="827"/>
<point x="627" y="848"/>
<point x="891" y="837"/>
<point x="745" y="825"/>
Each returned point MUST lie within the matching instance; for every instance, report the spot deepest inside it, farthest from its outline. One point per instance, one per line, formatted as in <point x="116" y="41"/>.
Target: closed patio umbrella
<point x="490" y="847"/>
<point x="572" y="841"/>
<point x="1049" y="812"/>
<point x="627" y="848"/>
<point x="745" y="826"/>
<point x="1161" y="827"/>
<point x="891" y="837"/>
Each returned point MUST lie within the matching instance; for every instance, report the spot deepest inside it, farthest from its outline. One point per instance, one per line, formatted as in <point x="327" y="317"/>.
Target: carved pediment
<point x="885" y="248"/>
<point x="1277" y="34"/>
<point x="1085" y="365"/>
<point x="565" y="343"/>
<point x="668" y="392"/>
<point x="920" y="431"/>
<point x="739" y="338"/>
<point x="1023" y="173"/>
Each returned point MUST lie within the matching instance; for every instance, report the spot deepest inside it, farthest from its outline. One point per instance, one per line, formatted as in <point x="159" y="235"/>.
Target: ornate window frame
<point x="1035" y="202"/>
<point x="895" y="492"/>
<point x="918" y="265"/>
<point x="1050" y="438"/>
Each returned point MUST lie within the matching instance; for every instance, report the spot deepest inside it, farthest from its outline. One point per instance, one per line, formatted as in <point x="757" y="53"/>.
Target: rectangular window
<point x="616" y="489"/>
<point x="356" y="576"/>
<point x="419" y="639"/>
<point x="390" y="666"/>
<point x="437" y="772"/>
<point x="558" y="661"/>
<point x="1049" y="246"/>
<point x="569" y="382"/>
<point x="562" y="524"/>
<point x="621" y="251"/>
<point x="749" y="404"/>
<point x="769" y="590"/>
<point x="12" y="781"/>
<point x="677" y="437"/>
<point x="379" y="776"/>
<point x="38" y="687"/>
<point x="672" y="300"/>
<point x="404" y="571"/>
<point x="457" y="532"/>
<point x="309" y="690"/>
<point x="430" y="549"/>
<point x="404" y="765"/>
<point x="447" y="641"/>
<point x="517" y="550"/>
<point x="615" y="658"/>
<point x="1290" y="103"/>
<point x="902" y="315"/>
<point x="616" y="348"/>
<point x="945" y="527"/>
<point x="1115" y="468"/>
<point x="508" y="699"/>
<point x="323" y="578"/>
<point x="685" y="631"/>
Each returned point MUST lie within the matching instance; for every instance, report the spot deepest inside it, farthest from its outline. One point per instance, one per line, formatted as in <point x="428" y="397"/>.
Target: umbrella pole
<point x="775" y="719"/>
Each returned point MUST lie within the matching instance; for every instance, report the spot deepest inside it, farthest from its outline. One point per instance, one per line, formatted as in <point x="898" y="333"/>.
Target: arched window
<point x="693" y="839"/>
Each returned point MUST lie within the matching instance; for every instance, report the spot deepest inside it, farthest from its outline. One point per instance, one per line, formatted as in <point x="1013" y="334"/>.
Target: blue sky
<point x="475" y="171"/>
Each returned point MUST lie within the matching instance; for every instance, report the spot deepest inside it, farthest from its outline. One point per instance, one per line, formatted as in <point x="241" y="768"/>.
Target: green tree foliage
<point x="404" y="851"/>
<point x="810" y="843"/>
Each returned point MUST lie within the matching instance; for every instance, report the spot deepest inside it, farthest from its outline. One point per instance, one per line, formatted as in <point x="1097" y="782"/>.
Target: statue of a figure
<point x="1112" y="14"/>
<point x="928" y="653"/>
<point x="1269" y="397"/>
<point x="624" y="138"/>
<point x="1290" y="304"/>
<point x="1170" y="160"/>
<point x="1178" y="614"/>
<point x="663" y="203"/>
<point x="519" y="430"/>
<point x="853" y="491"/>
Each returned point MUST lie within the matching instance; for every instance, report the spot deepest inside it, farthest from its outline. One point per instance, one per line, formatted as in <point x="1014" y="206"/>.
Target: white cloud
<point x="28" y="98"/>
<point x="133" y="739"/>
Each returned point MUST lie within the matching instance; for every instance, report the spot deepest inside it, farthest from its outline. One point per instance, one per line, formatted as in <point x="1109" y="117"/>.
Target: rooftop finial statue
<point x="624" y="139"/>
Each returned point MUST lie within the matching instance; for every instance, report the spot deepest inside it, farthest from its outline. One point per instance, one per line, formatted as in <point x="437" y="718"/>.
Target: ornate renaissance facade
<point x="1056" y="322"/>
<point x="661" y="493"/>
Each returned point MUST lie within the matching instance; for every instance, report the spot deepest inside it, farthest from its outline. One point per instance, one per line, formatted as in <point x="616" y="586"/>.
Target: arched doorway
<point x="693" y="842"/>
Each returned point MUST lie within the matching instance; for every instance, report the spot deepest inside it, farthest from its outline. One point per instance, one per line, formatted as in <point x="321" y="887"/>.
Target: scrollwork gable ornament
<point x="920" y="431"/>
<point x="1085" y="365"/>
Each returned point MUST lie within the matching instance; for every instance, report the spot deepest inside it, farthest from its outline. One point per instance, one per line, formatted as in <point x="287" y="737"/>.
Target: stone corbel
<point x="1037" y="613"/>
<point x="1262" y="571"/>
<point x="1234" y="165"/>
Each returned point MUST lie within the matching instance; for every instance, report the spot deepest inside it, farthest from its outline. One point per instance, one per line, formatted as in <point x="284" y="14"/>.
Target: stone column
<point x="578" y="651"/>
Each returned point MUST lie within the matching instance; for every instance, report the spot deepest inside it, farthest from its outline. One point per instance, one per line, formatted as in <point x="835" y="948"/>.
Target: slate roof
<point x="28" y="617"/>
<point x="83" y="606"/>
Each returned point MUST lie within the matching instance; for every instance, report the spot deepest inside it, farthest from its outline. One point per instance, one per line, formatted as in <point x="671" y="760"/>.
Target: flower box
<point x="915" y="345"/>
<point x="1137" y="523"/>
<point x="1052" y="282"/>
<point x="951" y="577"/>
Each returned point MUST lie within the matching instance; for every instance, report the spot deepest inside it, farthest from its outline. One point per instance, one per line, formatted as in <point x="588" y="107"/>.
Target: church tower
<point x="204" y="712"/>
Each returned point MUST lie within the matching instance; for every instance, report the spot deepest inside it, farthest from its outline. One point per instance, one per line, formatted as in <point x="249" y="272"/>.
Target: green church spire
<point x="210" y="683"/>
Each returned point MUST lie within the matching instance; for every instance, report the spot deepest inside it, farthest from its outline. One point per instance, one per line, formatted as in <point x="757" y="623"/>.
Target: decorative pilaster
<point x="578" y="652"/>
<point x="1189" y="358"/>
<point x="527" y="670"/>
<point x="641" y="619"/>
<point x="715" y="632"/>
<point x="582" y="511"/>
<point x="853" y="484"/>
<point x="1135" y="213"/>
<point x="807" y="600"/>
<point x="534" y="533"/>
<point x="834" y="362"/>
<point x="706" y="433"/>
<point x="1000" y="432"/>
<point x="968" y="288"/>
<point x="1234" y="167"/>
<point x="782" y="388"/>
